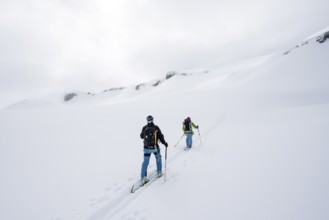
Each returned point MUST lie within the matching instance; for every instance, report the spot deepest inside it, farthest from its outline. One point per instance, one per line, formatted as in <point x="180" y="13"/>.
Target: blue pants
<point x="189" y="139"/>
<point x="147" y="155"/>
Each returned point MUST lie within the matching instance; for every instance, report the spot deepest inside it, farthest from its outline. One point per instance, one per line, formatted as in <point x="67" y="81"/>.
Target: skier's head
<point x="149" y="119"/>
<point x="188" y="119"/>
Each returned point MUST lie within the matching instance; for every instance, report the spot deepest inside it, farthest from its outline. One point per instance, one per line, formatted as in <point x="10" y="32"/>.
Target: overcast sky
<point x="91" y="45"/>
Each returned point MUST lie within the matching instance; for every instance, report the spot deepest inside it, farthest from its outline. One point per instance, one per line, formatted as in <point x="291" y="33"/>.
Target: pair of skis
<point x="151" y="178"/>
<point x="154" y="176"/>
<point x="139" y="184"/>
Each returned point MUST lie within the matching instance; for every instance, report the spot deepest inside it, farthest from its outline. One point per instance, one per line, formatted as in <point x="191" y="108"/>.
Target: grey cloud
<point x="61" y="44"/>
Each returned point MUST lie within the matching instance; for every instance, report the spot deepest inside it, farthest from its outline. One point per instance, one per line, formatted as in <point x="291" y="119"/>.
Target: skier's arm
<point x="160" y="136"/>
<point x="142" y="133"/>
<point x="194" y="126"/>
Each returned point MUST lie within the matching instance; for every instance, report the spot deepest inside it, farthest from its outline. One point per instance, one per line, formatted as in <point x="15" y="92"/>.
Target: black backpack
<point x="150" y="136"/>
<point x="187" y="125"/>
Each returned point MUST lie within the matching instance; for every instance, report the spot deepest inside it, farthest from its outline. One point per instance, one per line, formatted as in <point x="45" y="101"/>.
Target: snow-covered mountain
<point x="264" y="155"/>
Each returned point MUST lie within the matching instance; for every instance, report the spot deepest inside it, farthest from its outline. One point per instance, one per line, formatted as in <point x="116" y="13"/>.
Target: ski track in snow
<point x="125" y="197"/>
<point x="211" y="128"/>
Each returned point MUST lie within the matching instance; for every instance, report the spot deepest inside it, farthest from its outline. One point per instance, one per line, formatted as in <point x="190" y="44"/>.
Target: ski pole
<point x="179" y="140"/>
<point x="200" y="137"/>
<point x="165" y="166"/>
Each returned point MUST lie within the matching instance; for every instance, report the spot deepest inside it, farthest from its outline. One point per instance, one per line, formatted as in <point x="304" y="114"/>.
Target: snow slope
<point x="264" y="155"/>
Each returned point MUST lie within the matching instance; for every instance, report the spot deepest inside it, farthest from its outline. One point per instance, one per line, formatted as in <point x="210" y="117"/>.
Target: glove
<point x="166" y="144"/>
<point x="197" y="126"/>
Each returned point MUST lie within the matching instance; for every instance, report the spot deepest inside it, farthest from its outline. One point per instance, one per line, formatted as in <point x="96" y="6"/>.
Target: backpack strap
<point x="155" y="137"/>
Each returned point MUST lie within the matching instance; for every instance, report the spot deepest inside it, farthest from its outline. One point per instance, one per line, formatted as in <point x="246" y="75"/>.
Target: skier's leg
<point x="189" y="140"/>
<point x="186" y="139"/>
<point x="145" y="164"/>
<point x="157" y="155"/>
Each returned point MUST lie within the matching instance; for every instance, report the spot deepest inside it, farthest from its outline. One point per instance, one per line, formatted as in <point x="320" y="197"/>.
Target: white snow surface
<point x="263" y="152"/>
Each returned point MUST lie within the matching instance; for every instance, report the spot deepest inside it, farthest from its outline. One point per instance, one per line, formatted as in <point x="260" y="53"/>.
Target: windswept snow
<point x="264" y="155"/>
